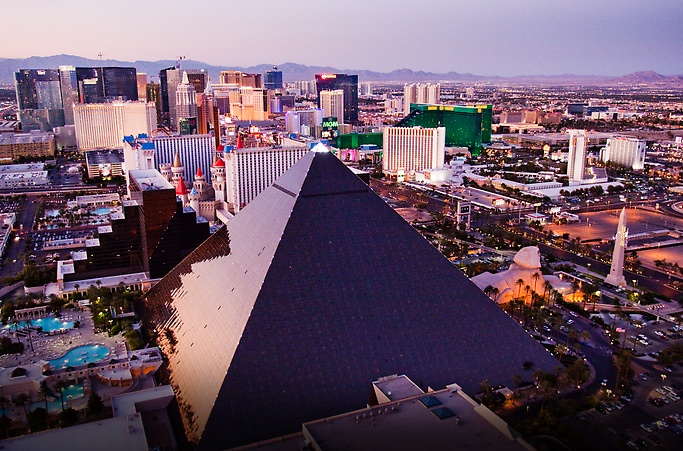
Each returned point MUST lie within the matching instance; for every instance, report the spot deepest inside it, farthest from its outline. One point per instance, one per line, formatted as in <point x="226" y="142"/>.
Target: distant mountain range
<point x="293" y="72"/>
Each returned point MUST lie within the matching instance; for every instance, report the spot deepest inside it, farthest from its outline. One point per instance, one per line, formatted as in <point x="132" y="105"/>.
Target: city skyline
<point x="500" y="38"/>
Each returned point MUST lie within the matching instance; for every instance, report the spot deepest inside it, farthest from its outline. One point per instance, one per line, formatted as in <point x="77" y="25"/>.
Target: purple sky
<point x="492" y="37"/>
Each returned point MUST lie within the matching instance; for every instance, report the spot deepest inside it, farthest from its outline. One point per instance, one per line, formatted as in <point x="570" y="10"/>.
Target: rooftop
<point x="150" y="179"/>
<point x="114" y="434"/>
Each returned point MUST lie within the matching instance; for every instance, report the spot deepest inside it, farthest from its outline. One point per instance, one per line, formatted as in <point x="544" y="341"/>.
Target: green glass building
<point x="466" y="126"/>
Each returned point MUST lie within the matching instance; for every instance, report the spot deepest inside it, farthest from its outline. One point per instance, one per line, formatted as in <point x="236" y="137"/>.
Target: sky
<point x="483" y="37"/>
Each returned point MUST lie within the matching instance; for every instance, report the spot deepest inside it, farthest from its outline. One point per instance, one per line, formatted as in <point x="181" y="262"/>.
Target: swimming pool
<point x="80" y="355"/>
<point x="101" y="211"/>
<point x="51" y="324"/>
<point x="69" y="393"/>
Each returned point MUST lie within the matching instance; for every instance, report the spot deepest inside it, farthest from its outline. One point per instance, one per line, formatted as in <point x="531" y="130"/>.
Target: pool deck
<point x="48" y="347"/>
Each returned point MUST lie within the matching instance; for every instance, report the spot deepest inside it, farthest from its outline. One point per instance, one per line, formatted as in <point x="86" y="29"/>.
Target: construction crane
<point x="179" y="62"/>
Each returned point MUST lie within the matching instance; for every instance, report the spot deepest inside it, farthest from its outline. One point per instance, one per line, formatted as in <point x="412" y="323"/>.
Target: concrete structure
<point x="23" y="176"/>
<point x="249" y="171"/>
<point x="31" y="145"/>
<point x="332" y="104"/>
<point x="626" y="151"/>
<point x="576" y="162"/>
<point x="411" y="149"/>
<point x="103" y="125"/>
<point x="408" y="418"/>
<point x="104" y="163"/>
<point x="313" y="290"/>
<point x="616" y="271"/>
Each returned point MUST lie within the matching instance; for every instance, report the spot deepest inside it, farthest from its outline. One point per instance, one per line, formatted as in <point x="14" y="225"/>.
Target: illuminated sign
<point x="326" y="76"/>
<point x="330" y="123"/>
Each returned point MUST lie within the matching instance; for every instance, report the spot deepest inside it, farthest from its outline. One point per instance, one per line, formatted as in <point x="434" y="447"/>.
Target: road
<point x="16" y="245"/>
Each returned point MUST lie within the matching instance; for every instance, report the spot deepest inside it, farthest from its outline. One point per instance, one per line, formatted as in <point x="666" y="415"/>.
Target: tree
<point x="535" y="276"/>
<point x="68" y="417"/>
<point x="23" y="401"/>
<point x="528" y="366"/>
<point x="520" y="284"/>
<point x="494" y="293"/>
<point x="44" y="394"/>
<point x="95" y="403"/>
<point x="60" y="385"/>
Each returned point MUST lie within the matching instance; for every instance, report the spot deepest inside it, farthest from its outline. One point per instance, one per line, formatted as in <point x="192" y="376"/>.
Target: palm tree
<point x="60" y="385"/>
<point x="494" y="293"/>
<point x="528" y="366"/>
<point x="517" y="379"/>
<point x="547" y="288"/>
<point x="487" y="290"/>
<point x="535" y="276"/>
<point x="520" y="284"/>
<point x="5" y="402"/>
<point x="44" y="394"/>
<point x="23" y="401"/>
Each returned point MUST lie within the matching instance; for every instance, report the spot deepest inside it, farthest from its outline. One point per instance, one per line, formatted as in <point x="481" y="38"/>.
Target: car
<point x="642" y="376"/>
<point x="604" y="382"/>
<point x="642" y="444"/>
<point x="574" y="314"/>
<point x="670" y="369"/>
<point x="655" y="438"/>
<point x="570" y="321"/>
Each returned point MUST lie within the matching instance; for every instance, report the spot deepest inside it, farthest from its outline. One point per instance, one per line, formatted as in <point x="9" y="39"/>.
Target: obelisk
<point x="616" y="271"/>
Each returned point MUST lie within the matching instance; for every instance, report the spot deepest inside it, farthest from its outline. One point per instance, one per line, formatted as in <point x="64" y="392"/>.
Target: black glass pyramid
<point x="313" y="291"/>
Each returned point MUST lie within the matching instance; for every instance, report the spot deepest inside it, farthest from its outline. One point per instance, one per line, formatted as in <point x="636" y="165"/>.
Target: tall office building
<point x="185" y="101"/>
<point x="249" y="171"/>
<point x="103" y="125"/>
<point x="625" y="151"/>
<point x="102" y="84"/>
<point x="296" y="120"/>
<point x="169" y="79"/>
<point x="332" y="104"/>
<point x="142" y="86"/>
<point x="421" y="94"/>
<point x="576" y="161"/>
<point x="195" y="151"/>
<point x="39" y="99"/>
<point x="207" y="114"/>
<point x="410" y="149"/>
<point x="272" y="78"/>
<point x="348" y="84"/>
<point x="249" y="104"/>
<point x="409" y="96"/>
<point x="153" y="95"/>
<point x="242" y="79"/>
<point x="69" y="86"/>
<point x="247" y="366"/>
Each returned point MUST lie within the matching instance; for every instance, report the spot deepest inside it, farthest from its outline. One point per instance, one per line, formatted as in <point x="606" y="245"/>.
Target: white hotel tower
<point x="576" y="162"/>
<point x="249" y="171"/>
<point x="103" y="125"/>
<point x="626" y="151"/>
<point x="411" y="149"/>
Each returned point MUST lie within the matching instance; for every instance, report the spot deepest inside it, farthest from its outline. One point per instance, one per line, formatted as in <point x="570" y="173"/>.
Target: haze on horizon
<point x="498" y="37"/>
